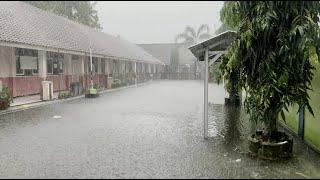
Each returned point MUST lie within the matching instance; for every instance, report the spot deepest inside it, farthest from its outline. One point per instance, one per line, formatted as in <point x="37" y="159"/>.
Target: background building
<point x="180" y="62"/>
<point x="37" y="46"/>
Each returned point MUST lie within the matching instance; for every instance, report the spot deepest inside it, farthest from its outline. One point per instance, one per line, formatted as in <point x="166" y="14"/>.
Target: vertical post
<point x="225" y="93"/>
<point x="135" y="73"/>
<point x="91" y="81"/>
<point x="83" y="73"/>
<point x="206" y="95"/>
<point x="42" y="64"/>
<point x="301" y="122"/>
<point x="42" y="57"/>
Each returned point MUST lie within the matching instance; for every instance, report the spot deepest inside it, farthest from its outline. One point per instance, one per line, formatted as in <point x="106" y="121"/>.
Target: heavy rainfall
<point x="172" y="90"/>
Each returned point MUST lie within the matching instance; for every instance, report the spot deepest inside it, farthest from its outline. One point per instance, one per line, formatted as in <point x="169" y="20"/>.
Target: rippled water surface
<point x="153" y="131"/>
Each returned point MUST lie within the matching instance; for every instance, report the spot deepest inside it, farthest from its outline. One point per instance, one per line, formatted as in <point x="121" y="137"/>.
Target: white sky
<point x="156" y="21"/>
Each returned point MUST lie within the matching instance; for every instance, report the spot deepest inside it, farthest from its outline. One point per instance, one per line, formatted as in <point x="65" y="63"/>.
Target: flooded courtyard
<point x="152" y="131"/>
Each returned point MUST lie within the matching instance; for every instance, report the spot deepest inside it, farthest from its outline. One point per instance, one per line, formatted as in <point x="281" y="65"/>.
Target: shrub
<point x="63" y="95"/>
<point x="5" y="98"/>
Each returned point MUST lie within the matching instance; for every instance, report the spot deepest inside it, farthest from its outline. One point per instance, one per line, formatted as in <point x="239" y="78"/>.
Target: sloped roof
<point x="219" y="42"/>
<point x="22" y="23"/>
<point x="162" y="51"/>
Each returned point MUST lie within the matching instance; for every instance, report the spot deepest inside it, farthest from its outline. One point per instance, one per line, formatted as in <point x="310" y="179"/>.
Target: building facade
<point x="38" y="46"/>
<point x="180" y="63"/>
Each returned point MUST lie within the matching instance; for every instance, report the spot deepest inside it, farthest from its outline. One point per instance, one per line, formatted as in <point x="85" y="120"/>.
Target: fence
<point x="303" y="123"/>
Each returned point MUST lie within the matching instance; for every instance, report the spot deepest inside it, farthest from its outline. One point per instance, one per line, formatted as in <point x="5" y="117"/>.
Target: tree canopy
<point x="79" y="11"/>
<point x="276" y="45"/>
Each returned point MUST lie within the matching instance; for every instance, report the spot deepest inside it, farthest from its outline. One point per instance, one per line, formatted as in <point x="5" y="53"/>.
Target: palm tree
<point x="190" y="36"/>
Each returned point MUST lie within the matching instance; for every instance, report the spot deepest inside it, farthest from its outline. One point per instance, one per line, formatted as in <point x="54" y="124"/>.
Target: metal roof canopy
<point x="209" y="51"/>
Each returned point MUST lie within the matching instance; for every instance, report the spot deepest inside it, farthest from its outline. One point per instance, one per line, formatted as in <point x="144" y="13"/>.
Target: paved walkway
<point x="18" y="101"/>
<point x="153" y="131"/>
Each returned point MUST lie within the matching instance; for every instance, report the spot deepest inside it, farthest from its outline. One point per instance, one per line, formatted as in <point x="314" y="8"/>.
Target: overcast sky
<point x="156" y="21"/>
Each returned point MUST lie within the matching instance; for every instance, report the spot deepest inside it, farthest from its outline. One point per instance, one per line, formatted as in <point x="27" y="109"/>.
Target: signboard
<point x="28" y="62"/>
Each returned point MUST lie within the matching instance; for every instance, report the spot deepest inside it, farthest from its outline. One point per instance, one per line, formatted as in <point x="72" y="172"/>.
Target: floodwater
<point x="153" y="131"/>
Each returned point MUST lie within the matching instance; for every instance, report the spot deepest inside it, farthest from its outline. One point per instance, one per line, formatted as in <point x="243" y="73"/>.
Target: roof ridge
<point x="50" y="33"/>
<point x="155" y="43"/>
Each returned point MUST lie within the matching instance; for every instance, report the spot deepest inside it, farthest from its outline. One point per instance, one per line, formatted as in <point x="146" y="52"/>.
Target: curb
<point x="36" y="104"/>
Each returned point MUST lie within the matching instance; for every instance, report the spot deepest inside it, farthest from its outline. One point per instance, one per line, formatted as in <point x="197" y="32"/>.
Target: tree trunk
<point x="272" y="127"/>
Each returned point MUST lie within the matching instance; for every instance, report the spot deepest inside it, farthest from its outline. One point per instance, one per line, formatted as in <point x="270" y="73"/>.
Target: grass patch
<point x="312" y="124"/>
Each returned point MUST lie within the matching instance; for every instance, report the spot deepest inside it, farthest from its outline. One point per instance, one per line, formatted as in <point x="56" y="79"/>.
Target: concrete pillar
<point x="42" y="56"/>
<point x="99" y="66"/>
<point x="206" y="59"/>
<point x="135" y="73"/>
<point x="13" y="62"/>
<point x="68" y="68"/>
<point x="82" y="59"/>
<point x="82" y="71"/>
<point x="68" y="64"/>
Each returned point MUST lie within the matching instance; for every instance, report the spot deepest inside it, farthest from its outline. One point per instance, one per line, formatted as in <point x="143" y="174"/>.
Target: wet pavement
<point x="153" y="131"/>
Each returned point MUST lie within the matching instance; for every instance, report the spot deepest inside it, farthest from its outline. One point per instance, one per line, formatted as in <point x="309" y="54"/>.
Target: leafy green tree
<point x="273" y="51"/>
<point x="222" y="29"/>
<point x="79" y="11"/>
<point x="227" y="23"/>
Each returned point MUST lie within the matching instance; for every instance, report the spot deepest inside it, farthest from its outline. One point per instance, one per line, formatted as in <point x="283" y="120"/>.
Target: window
<point x="54" y="63"/>
<point x="94" y="65"/>
<point x="75" y="57"/>
<point x="103" y="66"/>
<point x="27" y="63"/>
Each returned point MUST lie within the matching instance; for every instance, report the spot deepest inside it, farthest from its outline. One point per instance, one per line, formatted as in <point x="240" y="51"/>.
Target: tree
<point x="222" y="29"/>
<point x="190" y="36"/>
<point x="79" y="11"/>
<point x="216" y="72"/>
<point x="227" y="22"/>
<point x="273" y="51"/>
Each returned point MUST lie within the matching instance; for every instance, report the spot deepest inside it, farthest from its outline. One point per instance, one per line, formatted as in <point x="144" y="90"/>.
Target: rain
<point x="153" y="90"/>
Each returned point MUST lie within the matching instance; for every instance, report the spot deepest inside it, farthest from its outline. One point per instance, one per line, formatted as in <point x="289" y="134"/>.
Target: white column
<point x="135" y="72"/>
<point x="206" y="95"/>
<point x="42" y="56"/>
<point x="68" y="64"/>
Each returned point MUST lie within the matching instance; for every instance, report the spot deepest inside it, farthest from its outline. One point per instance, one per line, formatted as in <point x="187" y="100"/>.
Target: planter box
<point x="233" y="101"/>
<point x="4" y="105"/>
<point x="271" y="150"/>
<point x="93" y="93"/>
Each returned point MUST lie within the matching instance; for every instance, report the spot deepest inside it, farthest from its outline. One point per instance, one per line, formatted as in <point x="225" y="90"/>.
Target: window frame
<point x="55" y="58"/>
<point x="26" y="52"/>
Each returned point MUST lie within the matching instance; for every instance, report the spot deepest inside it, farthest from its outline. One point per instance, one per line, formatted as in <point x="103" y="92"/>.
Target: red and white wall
<point x="75" y="69"/>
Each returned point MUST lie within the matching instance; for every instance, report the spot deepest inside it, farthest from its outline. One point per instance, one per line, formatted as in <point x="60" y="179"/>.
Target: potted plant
<point x="92" y="92"/>
<point x="5" y="98"/>
<point x="64" y="95"/>
<point x="275" y="45"/>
